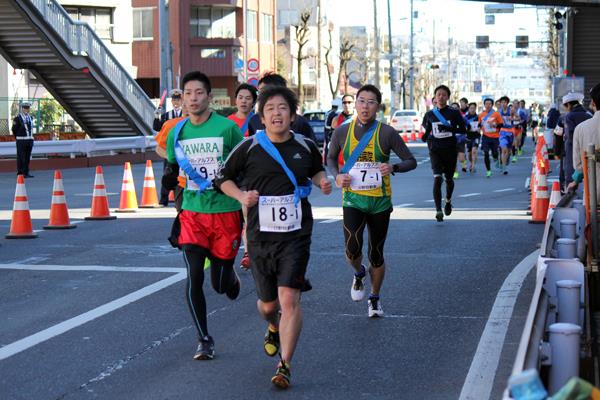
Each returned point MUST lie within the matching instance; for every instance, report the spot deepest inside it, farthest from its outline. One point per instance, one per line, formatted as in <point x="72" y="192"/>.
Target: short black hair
<point x="489" y="99"/>
<point x="271" y="78"/>
<point x="504" y="98"/>
<point x="465" y="100"/>
<point x="442" y="87"/>
<point x="271" y="91"/>
<point x="595" y="95"/>
<point x="372" y="89"/>
<point x="455" y="104"/>
<point x="250" y="88"/>
<point x="473" y="104"/>
<point x="347" y="95"/>
<point x="196" y="76"/>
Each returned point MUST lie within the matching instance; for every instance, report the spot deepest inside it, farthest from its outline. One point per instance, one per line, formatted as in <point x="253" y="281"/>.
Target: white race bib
<point x="435" y="129"/>
<point x="365" y="176"/>
<point x="279" y="214"/>
<point x="488" y="128"/>
<point x="474" y="126"/>
<point x="204" y="155"/>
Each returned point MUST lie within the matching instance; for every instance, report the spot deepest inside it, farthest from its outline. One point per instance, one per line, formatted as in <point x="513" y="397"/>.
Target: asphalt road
<point x="99" y="311"/>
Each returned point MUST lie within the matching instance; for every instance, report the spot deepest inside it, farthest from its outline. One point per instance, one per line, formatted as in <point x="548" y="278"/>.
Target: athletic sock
<point x="373" y="297"/>
<point x="361" y="274"/>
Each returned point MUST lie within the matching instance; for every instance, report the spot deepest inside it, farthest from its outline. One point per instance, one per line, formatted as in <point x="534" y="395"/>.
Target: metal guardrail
<point x="81" y="40"/>
<point x="86" y="146"/>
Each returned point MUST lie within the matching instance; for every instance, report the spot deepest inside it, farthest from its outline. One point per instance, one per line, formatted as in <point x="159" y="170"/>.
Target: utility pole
<point x="376" y="43"/>
<point x="165" y="47"/>
<point x="318" y="88"/>
<point x="391" y="58"/>
<point x="411" y="68"/>
<point x="245" y="40"/>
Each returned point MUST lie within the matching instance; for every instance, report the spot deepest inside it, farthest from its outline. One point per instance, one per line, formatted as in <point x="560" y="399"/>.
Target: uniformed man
<point x="22" y="128"/>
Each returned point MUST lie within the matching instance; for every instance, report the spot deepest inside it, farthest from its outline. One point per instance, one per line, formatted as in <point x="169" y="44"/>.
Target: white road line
<point x="504" y="190"/>
<point x="77" y="222"/>
<point x="405" y="205"/>
<point x="429" y="201"/>
<point x="480" y="379"/>
<point x="330" y="221"/>
<point x="423" y="161"/>
<point x="37" y="267"/>
<point x="470" y="195"/>
<point x="58" y="329"/>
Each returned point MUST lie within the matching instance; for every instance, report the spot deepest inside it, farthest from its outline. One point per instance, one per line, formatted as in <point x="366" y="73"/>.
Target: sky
<point x="465" y="18"/>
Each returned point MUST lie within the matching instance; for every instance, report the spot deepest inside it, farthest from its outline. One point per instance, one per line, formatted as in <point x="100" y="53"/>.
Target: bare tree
<point x="302" y="31"/>
<point x="551" y="58"/>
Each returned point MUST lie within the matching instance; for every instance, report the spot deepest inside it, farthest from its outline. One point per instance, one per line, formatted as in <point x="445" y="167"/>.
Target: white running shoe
<point x="357" y="291"/>
<point x="375" y="309"/>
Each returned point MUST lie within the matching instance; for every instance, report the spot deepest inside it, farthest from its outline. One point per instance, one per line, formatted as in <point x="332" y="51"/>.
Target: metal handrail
<point x="81" y="40"/>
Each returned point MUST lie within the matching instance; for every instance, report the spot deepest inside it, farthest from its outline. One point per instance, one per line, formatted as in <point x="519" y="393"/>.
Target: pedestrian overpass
<point x="75" y="66"/>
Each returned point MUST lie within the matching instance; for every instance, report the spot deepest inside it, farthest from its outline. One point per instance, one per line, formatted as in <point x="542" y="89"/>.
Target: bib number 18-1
<point x="279" y="214"/>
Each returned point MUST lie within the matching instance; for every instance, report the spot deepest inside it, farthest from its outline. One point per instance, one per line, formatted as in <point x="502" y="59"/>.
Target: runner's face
<point x="244" y="101"/>
<point x="441" y="98"/>
<point x="503" y="104"/>
<point x="472" y="109"/>
<point x="366" y="106"/>
<point x="196" y="97"/>
<point x="277" y="116"/>
<point x="487" y="105"/>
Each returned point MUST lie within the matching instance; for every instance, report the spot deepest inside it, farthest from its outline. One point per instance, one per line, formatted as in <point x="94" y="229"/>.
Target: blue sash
<point x="360" y="147"/>
<point x="487" y="116"/>
<point x="244" y="128"/>
<point x="184" y="163"/>
<point x="300" y="192"/>
<point x="440" y="117"/>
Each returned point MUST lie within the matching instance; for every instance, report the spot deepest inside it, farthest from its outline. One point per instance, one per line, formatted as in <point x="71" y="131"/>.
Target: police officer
<point x="22" y="128"/>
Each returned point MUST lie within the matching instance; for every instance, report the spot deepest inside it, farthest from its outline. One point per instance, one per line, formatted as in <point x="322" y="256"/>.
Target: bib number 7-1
<point x="365" y="176"/>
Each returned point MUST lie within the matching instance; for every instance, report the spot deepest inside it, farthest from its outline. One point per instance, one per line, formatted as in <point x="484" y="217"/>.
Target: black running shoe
<point x="206" y="349"/>
<point x="271" y="344"/>
<point x="234" y="290"/>
<point x="282" y="376"/>
<point x="439" y="215"/>
<point x="448" y="208"/>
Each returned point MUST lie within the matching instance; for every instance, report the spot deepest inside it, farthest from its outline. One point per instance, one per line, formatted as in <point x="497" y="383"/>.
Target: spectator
<point x="576" y="114"/>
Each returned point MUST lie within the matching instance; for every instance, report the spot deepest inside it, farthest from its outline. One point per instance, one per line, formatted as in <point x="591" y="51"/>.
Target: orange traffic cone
<point x="100" y="209"/>
<point x="413" y="136"/>
<point x="128" y="197"/>
<point x="540" y="209"/>
<point x="59" y="214"/>
<point x="149" y="196"/>
<point x="20" y="226"/>
<point x="171" y="196"/>
<point x="555" y="195"/>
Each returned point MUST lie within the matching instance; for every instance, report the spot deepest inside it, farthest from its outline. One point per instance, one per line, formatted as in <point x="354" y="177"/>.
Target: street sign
<point x="477" y="86"/>
<point x="490" y="19"/>
<point x="499" y="8"/>
<point x="253" y="65"/>
<point x="238" y="64"/>
<point x="253" y="81"/>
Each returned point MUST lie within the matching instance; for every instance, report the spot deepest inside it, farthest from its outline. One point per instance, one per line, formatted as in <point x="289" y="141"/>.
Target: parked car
<point x="406" y="121"/>
<point x="316" y="119"/>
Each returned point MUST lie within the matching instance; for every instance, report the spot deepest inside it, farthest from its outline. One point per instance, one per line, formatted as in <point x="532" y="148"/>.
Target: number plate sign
<point x="365" y="176"/>
<point x="279" y="214"/>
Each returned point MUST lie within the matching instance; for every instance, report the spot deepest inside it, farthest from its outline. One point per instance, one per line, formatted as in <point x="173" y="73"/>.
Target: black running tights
<point x="437" y="189"/>
<point x="354" y="227"/>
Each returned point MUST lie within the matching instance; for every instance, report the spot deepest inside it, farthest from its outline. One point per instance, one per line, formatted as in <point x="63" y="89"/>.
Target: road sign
<point x="253" y="81"/>
<point x="490" y="19"/>
<point x="477" y="86"/>
<point x="253" y="65"/>
<point x="238" y="64"/>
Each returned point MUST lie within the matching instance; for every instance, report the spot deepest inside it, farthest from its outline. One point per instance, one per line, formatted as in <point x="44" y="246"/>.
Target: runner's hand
<point x="343" y="180"/>
<point x="250" y="198"/>
<point x="325" y="186"/>
<point x="385" y="169"/>
<point x="572" y="186"/>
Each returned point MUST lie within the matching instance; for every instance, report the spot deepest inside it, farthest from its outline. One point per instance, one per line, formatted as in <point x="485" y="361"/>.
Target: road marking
<point x="406" y="316"/>
<point x="469" y="195"/>
<point x="503" y="190"/>
<point x="423" y="161"/>
<point x="37" y="267"/>
<point x="330" y="221"/>
<point x="405" y="205"/>
<point x="429" y="201"/>
<point x="65" y="326"/>
<point x="480" y="379"/>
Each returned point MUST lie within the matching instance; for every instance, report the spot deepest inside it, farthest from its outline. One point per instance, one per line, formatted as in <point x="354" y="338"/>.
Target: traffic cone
<point x="405" y="137"/>
<point x="171" y="196"/>
<point x="128" y="197"/>
<point x="542" y="201"/>
<point x="59" y="214"/>
<point x="20" y="226"/>
<point x="555" y="195"/>
<point x="149" y="196"/>
<point x="100" y="209"/>
<point x="413" y="136"/>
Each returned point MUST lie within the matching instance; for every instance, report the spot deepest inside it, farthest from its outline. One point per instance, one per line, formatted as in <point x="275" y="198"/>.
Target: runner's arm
<point x="395" y="143"/>
<point x="334" y="150"/>
<point x="427" y="125"/>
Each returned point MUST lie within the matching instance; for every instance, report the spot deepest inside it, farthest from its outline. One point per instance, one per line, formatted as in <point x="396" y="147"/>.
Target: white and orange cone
<point x="542" y="200"/>
<point x="100" y="209"/>
<point x="128" y="201"/>
<point x="149" y="195"/>
<point x="59" y="213"/>
<point x="555" y="195"/>
<point x="20" y="226"/>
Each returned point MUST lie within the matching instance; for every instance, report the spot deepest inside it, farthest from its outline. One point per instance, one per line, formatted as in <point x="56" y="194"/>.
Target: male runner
<point x="211" y="222"/>
<point x="490" y="122"/>
<point x="464" y="106"/>
<point x="278" y="167"/>
<point x="347" y="111"/>
<point x="442" y="124"/>
<point x="473" y="135"/>
<point x="519" y="117"/>
<point x="506" y="133"/>
<point x="365" y="145"/>
<point x="245" y="98"/>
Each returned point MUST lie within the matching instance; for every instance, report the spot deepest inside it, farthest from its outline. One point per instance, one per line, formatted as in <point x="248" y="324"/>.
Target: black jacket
<point x="20" y="128"/>
<point x="158" y="122"/>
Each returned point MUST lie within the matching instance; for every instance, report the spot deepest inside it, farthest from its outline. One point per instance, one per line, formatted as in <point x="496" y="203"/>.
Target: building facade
<point x="208" y="36"/>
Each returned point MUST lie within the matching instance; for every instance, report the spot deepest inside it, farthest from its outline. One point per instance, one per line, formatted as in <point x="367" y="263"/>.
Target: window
<point x="212" y="22"/>
<point x="143" y="24"/>
<point x="251" y="25"/>
<point x="99" y="19"/>
<point x="212" y="53"/>
<point x="267" y="28"/>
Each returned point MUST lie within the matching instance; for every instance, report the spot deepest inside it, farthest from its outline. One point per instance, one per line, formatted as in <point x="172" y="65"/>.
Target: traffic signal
<point x="522" y="42"/>
<point x="557" y="17"/>
<point x="482" y="42"/>
<point x="433" y="66"/>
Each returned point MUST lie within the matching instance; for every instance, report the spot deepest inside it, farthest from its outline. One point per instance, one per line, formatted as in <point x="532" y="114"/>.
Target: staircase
<point x="75" y="66"/>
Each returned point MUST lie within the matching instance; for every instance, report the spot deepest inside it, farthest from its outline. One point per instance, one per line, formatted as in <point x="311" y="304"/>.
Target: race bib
<point x="204" y="155"/>
<point x="435" y="129"/>
<point x="279" y="214"/>
<point x="365" y="176"/>
<point x="474" y="126"/>
<point x="487" y="127"/>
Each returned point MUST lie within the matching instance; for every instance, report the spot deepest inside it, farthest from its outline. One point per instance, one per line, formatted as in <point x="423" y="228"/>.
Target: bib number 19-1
<point x="279" y="214"/>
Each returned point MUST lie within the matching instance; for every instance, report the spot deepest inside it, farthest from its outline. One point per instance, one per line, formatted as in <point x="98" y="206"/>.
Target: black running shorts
<point x="281" y="263"/>
<point x="443" y="161"/>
